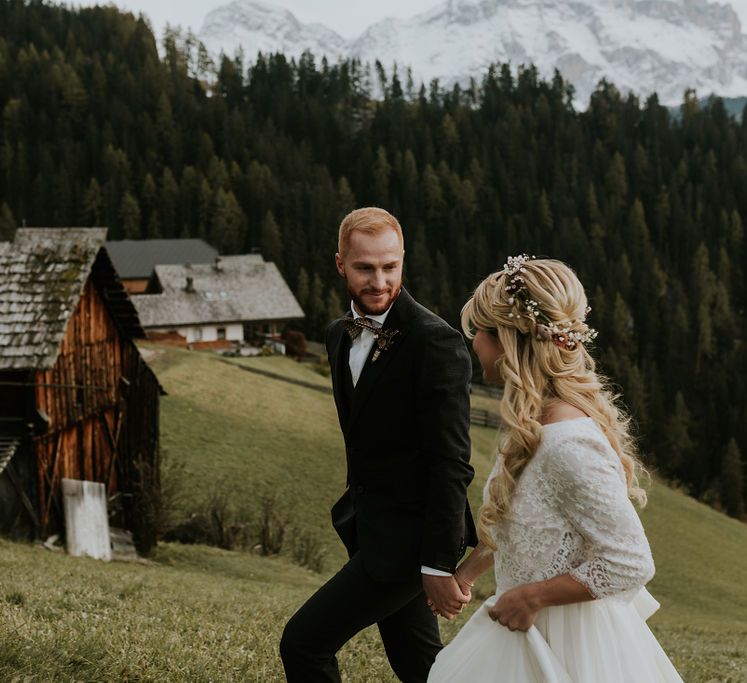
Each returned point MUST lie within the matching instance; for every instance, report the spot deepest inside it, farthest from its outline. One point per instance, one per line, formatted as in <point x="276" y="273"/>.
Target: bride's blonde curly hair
<point x="538" y="371"/>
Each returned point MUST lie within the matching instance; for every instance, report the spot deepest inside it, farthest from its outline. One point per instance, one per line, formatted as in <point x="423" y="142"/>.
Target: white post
<point x="86" y="521"/>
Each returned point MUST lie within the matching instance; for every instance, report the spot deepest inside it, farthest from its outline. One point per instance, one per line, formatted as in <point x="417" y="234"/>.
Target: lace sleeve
<point x="493" y="474"/>
<point x="586" y="477"/>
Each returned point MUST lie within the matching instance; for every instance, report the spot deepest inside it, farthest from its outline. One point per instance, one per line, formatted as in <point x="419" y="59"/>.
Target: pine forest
<point x="104" y="123"/>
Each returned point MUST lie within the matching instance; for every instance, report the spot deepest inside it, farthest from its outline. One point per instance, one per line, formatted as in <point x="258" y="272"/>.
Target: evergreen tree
<point x="432" y="195"/>
<point x="153" y="227"/>
<point x="444" y="297"/>
<point x="422" y="265"/>
<point x="271" y="241"/>
<point x="204" y="203"/>
<point x="303" y="289"/>
<point x="703" y="292"/>
<point x="636" y="393"/>
<point x="622" y="326"/>
<point x="335" y="309"/>
<point x="316" y="313"/>
<point x="93" y="204"/>
<point x="408" y="188"/>
<point x="129" y="217"/>
<point x="228" y="226"/>
<point x="148" y="196"/>
<point x="677" y="442"/>
<point x="381" y="173"/>
<point x="168" y="205"/>
<point x="345" y="199"/>
<point x="732" y="480"/>
<point x="7" y="224"/>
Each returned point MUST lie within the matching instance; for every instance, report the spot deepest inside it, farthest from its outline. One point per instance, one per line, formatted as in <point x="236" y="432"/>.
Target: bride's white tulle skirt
<point x="602" y="641"/>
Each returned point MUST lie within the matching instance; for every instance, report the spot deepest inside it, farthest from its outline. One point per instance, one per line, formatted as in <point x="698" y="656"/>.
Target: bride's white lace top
<point x="571" y="514"/>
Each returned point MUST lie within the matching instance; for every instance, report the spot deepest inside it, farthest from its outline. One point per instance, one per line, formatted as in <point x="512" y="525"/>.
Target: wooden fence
<point x="484" y="418"/>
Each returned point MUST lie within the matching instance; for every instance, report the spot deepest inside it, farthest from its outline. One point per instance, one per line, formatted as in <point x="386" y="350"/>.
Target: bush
<point x="273" y="522"/>
<point x="222" y="521"/>
<point x="307" y="550"/>
<point x="218" y="521"/>
<point x="173" y="496"/>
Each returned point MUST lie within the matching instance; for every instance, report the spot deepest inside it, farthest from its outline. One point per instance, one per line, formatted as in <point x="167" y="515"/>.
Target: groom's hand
<point x="444" y="595"/>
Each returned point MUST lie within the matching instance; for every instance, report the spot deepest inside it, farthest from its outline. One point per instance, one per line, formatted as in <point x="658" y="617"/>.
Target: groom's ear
<point x="340" y="265"/>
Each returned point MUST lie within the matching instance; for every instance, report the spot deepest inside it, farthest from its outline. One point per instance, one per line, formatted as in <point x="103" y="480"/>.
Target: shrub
<point x="307" y="550"/>
<point x="273" y="522"/>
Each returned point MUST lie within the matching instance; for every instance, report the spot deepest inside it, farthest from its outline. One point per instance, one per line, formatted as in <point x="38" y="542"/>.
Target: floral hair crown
<point x="559" y="333"/>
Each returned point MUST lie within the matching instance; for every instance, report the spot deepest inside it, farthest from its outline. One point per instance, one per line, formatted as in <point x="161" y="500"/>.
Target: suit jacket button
<point x="359" y="488"/>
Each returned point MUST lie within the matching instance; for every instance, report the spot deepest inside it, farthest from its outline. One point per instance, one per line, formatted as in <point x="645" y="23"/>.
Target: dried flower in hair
<point x="559" y="333"/>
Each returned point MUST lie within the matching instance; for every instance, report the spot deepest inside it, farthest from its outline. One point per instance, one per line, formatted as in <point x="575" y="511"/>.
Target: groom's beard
<point x="377" y="309"/>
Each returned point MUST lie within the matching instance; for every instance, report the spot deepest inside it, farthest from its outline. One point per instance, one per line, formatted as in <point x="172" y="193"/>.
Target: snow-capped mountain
<point x="639" y="45"/>
<point x="259" y="27"/>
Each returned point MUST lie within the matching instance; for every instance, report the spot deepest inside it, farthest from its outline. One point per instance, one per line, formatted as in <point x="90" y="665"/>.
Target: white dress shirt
<point x="362" y="345"/>
<point x="359" y="350"/>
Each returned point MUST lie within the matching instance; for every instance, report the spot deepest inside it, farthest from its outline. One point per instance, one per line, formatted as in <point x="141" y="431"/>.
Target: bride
<point x="569" y="552"/>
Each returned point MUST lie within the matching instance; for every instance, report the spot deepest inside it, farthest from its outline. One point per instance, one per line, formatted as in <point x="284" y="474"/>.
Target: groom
<point x="400" y="376"/>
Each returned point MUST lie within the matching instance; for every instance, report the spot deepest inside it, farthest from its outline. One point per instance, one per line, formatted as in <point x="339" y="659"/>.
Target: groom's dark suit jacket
<point x="406" y="430"/>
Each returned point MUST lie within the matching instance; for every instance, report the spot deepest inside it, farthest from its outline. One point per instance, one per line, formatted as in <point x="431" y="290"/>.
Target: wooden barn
<point x="77" y="400"/>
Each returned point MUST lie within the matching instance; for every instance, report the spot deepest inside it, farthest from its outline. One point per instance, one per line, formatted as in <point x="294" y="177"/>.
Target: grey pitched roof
<point x="242" y="289"/>
<point x="137" y="258"/>
<point x="42" y="275"/>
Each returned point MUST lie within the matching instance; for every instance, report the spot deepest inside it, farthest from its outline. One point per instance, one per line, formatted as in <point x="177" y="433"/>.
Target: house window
<point x="197" y="332"/>
<point x="221" y="333"/>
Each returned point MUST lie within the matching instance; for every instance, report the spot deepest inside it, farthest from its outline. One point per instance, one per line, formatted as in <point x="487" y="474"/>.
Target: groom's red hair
<point x="370" y="219"/>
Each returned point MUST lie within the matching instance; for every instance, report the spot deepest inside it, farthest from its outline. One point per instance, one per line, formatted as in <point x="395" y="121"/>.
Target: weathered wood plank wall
<point x="99" y="424"/>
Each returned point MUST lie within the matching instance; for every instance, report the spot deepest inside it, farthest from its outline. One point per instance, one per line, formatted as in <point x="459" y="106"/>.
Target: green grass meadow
<point x="196" y="613"/>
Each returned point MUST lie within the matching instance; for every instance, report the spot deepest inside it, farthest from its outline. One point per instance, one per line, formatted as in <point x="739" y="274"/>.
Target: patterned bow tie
<point x="355" y="327"/>
<point x="382" y="338"/>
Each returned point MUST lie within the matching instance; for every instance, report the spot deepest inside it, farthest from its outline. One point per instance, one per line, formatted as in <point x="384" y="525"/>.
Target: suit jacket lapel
<point x="339" y="344"/>
<point x="396" y="320"/>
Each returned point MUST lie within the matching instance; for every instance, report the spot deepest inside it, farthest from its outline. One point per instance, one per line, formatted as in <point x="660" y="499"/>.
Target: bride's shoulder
<point x="559" y="411"/>
<point x="575" y="444"/>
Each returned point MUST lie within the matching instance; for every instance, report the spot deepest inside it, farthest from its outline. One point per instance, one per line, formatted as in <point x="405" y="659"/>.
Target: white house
<point x="230" y="300"/>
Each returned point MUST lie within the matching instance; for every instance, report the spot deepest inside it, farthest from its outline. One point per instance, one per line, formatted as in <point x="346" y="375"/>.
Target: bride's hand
<point x="515" y="609"/>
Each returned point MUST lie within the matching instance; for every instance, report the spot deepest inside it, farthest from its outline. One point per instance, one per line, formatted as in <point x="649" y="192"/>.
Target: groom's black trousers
<point x="349" y="602"/>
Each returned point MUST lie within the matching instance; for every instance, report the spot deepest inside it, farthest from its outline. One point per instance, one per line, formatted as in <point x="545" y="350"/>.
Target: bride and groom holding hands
<point x="557" y="524"/>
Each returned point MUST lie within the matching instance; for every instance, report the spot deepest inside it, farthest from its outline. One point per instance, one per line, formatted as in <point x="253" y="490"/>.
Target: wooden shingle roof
<point x="235" y="289"/>
<point x="42" y="276"/>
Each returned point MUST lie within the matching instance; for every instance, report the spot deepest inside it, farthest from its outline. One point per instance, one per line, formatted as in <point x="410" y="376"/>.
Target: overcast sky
<point x="348" y="17"/>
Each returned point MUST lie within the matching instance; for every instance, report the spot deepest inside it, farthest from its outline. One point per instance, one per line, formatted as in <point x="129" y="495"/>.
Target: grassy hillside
<point x="701" y="555"/>
<point x="243" y="434"/>
<point x="199" y="614"/>
<point x="701" y="582"/>
<point x="195" y="615"/>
